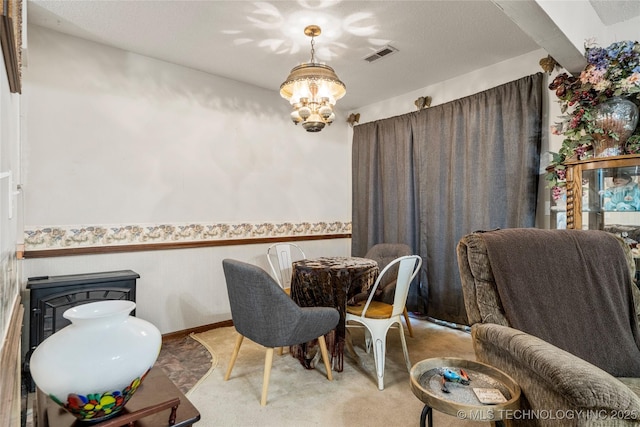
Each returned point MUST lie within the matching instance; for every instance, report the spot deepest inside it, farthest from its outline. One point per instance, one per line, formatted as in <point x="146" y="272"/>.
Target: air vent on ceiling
<point x="385" y="51"/>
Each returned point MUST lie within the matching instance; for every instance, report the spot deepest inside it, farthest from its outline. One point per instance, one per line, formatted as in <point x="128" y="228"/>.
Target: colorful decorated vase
<point x="93" y="366"/>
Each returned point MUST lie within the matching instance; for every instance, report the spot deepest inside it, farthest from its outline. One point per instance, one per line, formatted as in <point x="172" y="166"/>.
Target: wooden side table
<point x="157" y="388"/>
<point x="461" y="401"/>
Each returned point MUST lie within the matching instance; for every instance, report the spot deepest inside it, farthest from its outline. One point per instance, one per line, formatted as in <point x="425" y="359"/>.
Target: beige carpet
<point x="299" y="397"/>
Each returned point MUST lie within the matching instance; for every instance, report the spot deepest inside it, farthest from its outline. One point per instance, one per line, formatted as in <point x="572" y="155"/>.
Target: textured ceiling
<point x="623" y="10"/>
<point x="259" y="42"/>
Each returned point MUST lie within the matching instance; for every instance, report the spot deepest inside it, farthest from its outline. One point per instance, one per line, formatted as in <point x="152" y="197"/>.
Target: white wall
<point x="10" y="222"/>
<point x="9" y="201"/>
<point x="114" y="138"/>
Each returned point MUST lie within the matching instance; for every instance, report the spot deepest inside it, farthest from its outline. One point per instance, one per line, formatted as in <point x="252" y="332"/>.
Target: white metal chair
<point x="378" y="317"/>
<point x="280" y="257"/>
<point x="384" y="253"/>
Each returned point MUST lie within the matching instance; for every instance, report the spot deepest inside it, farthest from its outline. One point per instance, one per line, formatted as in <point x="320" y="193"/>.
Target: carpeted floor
<point x="299" y="397"/>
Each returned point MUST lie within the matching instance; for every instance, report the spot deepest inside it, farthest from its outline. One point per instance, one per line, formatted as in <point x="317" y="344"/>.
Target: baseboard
<point x="183" y="333"/>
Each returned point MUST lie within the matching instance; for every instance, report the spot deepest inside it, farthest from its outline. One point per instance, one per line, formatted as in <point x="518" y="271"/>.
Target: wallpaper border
<point x="72" y="236"/>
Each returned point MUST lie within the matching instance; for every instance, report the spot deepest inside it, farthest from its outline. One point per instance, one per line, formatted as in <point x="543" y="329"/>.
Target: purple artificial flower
<point x="598" y="57"/>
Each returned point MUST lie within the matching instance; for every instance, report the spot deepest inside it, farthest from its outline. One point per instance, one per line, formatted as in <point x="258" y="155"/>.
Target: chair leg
<point x="404" y="346"/>
<point x="379" y="351"/>
<point x="367" y="340"/>
<point x="406" y="319"/>
<point x="325" y="356"/>
<point x="268" y="361"/>
<point x="234" y="356"/>
<point x="349" y="345"/>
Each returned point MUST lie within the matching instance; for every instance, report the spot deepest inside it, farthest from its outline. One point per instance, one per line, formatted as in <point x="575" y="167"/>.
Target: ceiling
<point x="612" y="14"/>
<point x="259" y="42"/>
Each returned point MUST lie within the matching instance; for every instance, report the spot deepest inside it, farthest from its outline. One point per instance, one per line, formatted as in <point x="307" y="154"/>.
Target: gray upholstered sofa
<point x="559" y="389"/>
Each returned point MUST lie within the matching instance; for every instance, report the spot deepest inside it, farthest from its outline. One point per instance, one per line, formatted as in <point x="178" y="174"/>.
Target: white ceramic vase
<point x="93" y="366"/>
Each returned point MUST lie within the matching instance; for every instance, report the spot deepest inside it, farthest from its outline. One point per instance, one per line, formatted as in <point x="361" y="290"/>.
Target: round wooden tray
<point x="426" y="386"/>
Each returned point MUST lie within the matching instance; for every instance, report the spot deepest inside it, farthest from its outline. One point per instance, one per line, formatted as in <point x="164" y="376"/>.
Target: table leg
<point x="426" y="412"/>
<point x="350" y="348"/>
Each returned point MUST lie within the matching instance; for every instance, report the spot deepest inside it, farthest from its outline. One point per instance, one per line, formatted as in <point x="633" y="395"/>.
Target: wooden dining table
<point x="329" y="282"/>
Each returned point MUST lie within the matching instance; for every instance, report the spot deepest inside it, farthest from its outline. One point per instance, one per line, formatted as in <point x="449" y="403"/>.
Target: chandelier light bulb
<point x="325" y="112"/>
<point x="304" y="112"/>
<point x="295" y="117"/>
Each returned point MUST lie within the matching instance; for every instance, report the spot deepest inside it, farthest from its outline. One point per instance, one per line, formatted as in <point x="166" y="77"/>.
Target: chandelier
<point x="312" y="89"/>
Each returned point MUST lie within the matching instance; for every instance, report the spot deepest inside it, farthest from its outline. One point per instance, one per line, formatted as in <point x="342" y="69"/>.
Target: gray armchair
<point x="264" y="313"/>
<point x="558" y="387"/>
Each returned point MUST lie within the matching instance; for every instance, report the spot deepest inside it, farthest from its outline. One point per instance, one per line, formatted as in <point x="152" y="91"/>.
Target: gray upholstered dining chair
<point x="383" y="254"/>
<point x="262" y="312"/>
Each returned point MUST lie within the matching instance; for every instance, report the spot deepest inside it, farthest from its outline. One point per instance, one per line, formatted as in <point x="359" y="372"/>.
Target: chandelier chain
<point x="313" y="51"/>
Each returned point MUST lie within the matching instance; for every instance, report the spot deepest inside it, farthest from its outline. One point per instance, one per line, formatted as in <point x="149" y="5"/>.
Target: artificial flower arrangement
<point x="611" y="72"/>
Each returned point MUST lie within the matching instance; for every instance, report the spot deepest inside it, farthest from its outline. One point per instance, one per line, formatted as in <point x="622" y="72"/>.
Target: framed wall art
<point x="11" y="41"/>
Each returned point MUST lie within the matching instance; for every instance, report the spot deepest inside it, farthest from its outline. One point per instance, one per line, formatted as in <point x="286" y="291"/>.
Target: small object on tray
<point x="454" y="377"/>
<point x="489" y="396"/>
<point x="443" y="387"/>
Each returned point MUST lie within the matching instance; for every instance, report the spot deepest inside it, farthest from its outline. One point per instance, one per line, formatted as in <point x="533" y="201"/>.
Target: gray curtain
<point x="427" y="178"/>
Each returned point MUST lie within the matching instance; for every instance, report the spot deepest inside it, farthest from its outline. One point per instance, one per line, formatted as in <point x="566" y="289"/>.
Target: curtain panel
<point x="427" y="178"/>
